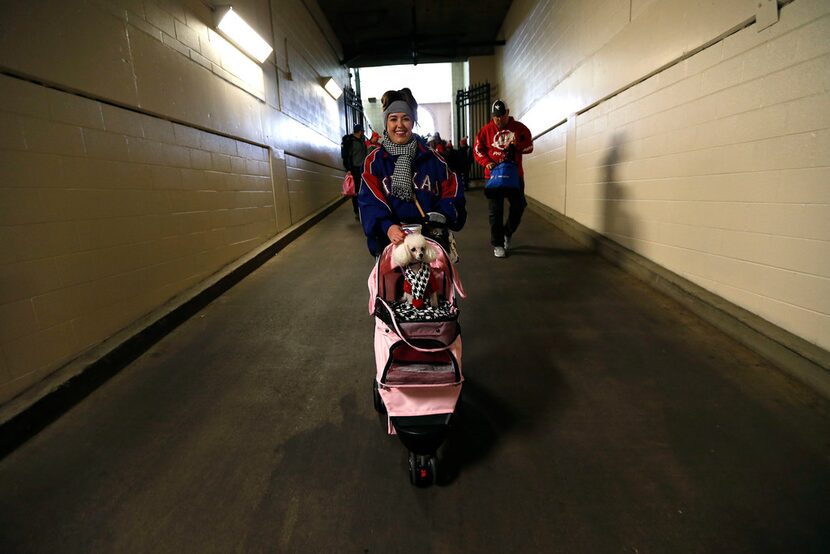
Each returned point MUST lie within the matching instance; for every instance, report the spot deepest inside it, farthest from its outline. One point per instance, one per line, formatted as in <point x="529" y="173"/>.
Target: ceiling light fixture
<point x="234" y="28"/>
<point x="332" y="87"/>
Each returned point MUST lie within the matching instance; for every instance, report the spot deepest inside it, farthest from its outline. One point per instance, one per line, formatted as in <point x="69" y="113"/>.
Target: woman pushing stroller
<point x="417" y="342"/>
<point x="404" y="181"/>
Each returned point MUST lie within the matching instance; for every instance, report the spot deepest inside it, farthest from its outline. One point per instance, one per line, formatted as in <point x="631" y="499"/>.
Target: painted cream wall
<point x="139" y="154"/>
<point x="373" y="114"/>
<point x="562" y="57"/>
<point x="459" y="81"/>
<point x="716" y="167"/>
<point x="482" y="69"/>
<point x="442" y="116"/>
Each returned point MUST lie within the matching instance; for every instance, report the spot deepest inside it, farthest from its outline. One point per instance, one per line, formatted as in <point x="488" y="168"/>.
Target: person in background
<point x="404" y="181"/>
<point x="463" y="160"/>
<point x="353" y="152"/>
<point x="437" y="143"/>
<point x="448" y="154"/>
<point x="451" y="155"/>
<point x="503" y="139"/>
<point x="373" y="142"/>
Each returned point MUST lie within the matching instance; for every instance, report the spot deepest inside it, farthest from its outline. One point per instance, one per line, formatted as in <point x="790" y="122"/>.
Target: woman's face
<point x="399" y="127"/>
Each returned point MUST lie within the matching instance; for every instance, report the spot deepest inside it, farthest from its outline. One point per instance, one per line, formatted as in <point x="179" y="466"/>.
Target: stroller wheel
<point x="433" y="469"/>
<point x="423" y="469"/>
<point x="379" y="407"/>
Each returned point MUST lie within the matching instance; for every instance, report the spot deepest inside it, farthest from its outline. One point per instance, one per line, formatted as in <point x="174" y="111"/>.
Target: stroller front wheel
<point x="423" y="469"/>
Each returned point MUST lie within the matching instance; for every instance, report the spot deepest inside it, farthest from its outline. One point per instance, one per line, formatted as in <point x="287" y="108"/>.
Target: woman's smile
<point x="399" y="127"/>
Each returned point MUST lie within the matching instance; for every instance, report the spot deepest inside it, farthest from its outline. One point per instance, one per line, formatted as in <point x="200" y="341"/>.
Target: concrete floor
<point x="599" y="417"/>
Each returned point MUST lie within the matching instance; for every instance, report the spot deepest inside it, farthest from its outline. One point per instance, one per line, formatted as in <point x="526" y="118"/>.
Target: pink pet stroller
<point x="418" y="358"/>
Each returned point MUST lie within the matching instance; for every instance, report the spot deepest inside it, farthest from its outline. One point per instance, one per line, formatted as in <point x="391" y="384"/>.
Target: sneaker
<point x="506" y="242"/>
<point x="499" y="252"/>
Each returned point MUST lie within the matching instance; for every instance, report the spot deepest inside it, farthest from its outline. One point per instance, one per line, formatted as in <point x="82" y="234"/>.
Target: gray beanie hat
<point x="399" y="106"/>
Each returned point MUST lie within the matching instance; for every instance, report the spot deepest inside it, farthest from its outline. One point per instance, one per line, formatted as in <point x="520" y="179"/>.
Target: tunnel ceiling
<point x="422" y="31"/>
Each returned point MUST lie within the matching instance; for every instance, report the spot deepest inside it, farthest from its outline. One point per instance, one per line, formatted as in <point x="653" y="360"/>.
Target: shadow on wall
<point x="617" y="223"/>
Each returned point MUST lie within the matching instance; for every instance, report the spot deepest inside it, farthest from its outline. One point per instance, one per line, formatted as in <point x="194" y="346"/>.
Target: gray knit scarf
<point x="402" y="175"/>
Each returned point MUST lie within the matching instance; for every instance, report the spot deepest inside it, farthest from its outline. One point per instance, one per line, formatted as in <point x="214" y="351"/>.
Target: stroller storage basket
<point x="409" y="367"/>
<point x="401" y="375"/>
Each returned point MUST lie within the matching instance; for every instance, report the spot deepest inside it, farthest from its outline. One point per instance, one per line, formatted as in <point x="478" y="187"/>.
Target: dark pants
<point x="356" y="171"/>
<point x="495" y="199"/>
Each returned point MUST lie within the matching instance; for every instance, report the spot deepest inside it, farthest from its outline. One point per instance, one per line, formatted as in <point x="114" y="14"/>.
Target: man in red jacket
<point x="503" y="139"/>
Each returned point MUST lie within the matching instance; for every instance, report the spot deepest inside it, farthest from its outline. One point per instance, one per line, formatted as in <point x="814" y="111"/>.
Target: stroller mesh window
<point x="390" y="289"/>
<point x="408" y="366"/>
<point x="390" y="285"/>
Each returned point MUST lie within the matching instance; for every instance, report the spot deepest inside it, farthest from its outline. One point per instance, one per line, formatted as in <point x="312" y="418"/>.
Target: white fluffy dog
<point x="414" y="255"/>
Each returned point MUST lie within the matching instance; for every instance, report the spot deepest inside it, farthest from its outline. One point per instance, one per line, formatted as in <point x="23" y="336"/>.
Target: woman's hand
<point x="395" y="234"/>
<point x="491" y="165"/>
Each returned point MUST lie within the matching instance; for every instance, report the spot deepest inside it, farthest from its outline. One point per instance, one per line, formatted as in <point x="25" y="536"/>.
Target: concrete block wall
<point x="310" y="186"/>
<point x="545" y="172"/>
<point x="716" y="166"/>
<point x="306" y="60"/>
<point x="140" y="153"/>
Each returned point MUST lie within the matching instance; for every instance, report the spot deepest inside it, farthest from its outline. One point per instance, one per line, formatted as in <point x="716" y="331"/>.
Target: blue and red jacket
<point x="436" y="188"/>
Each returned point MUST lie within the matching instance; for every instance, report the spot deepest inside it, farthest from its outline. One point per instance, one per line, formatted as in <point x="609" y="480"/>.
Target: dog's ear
<point x="400" y="255"/>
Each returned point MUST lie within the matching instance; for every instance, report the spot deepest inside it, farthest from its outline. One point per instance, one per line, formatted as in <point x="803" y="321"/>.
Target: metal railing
<point x="472" y="112"/>
<point x="353" y="111"/>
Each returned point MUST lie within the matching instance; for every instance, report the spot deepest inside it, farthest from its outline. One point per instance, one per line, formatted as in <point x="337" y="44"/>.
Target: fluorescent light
<point x="332" y="87"/>
<point x="234" y="28"/>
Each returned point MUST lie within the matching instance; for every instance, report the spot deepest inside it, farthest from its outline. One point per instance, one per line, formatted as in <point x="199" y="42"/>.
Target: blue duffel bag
<point x="504" y="176"/>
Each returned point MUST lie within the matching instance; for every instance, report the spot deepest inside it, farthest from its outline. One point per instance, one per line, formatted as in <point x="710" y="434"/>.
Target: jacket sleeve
<point x="344" y="151"/>
<point x="524" y="140"/>
<point x="481" y="150"/>
<point x="375" y="211"/>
